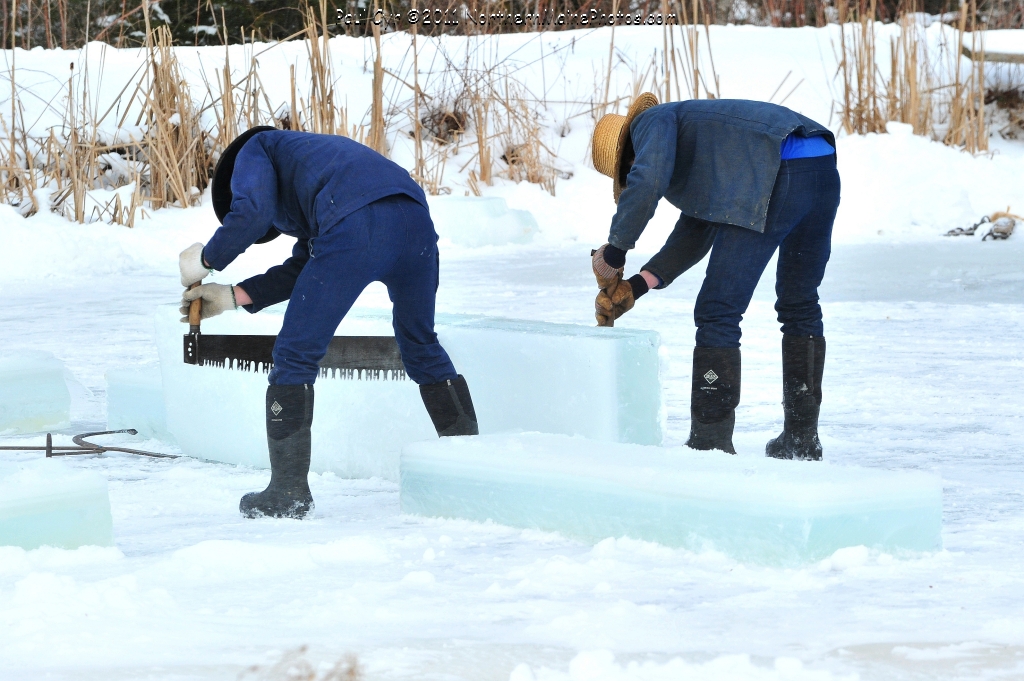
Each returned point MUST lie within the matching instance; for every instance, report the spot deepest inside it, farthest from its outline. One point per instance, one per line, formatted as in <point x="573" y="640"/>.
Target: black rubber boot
<point x="289" y="418"/>
<point x="450" y="407"/>
<point x="803" y="364"/>
<point x="714" y="395"/>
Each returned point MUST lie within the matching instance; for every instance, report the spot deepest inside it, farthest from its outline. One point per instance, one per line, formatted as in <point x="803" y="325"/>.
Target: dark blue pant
<point x="800" y="215"/>
<point x="391" y="241"/>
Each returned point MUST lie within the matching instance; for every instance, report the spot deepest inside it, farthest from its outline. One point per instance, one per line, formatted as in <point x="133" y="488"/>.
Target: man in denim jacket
<point x="749" y="178"/>
<point x="357" y="218"/>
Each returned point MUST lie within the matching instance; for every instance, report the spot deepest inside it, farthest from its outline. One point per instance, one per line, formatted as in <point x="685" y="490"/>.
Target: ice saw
<point x="348" y="357"/>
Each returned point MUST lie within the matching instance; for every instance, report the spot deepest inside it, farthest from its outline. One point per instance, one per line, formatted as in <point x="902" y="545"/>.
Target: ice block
<point x="47" y="502"/>
<point x="33" y="394"/>
<point x="135" y="399"/>
<point x="481" y="221"/>
<point x="524" y="376"/>
<point x="751" y="508"/>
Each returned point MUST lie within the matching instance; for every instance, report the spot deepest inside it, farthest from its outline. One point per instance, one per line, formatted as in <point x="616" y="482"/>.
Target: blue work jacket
<point x="302" y="184"/>
<point x="714" y="160"/>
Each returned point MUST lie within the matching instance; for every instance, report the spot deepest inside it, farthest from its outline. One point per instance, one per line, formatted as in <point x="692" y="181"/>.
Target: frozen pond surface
<point x="924" y="371"/>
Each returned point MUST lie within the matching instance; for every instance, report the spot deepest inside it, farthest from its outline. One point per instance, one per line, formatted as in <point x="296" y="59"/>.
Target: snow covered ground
<point x="924" y="371"/>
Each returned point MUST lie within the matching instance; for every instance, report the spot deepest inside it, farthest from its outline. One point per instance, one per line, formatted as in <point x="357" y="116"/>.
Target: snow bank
<point x="46" y="502"/>
<point x="1006" y="41"/>
<point x="558" y="378"/>
<point x="480" y="221"/>
<point x="904" y="187"/>
<point x="754" y="509"/>
<point x="33" y="394"/>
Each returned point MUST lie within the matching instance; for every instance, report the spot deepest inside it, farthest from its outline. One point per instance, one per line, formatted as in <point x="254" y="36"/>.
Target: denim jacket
<point x="715" y="160"/>
<point x="302" y="184"/>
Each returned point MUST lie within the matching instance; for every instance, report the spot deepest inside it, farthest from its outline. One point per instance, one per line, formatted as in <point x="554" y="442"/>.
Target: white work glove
<point x="216" y="299"/>
<point x="190" y="262"/>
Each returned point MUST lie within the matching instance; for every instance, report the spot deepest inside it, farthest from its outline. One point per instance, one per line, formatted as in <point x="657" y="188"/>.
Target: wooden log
<point x="1002" y="57"/>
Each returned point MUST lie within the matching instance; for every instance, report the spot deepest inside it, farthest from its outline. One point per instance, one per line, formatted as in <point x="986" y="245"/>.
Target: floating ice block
<point x="33" y="394"/>
<point x="46" y="502"/>
<point x="135" y="399"/>
<point x="754" y="509"/>
<point x="481" y="221"/>
<point x="524" y="376"/>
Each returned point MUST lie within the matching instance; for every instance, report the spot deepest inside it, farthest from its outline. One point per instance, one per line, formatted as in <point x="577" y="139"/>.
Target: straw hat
<point x="611" y="139"/>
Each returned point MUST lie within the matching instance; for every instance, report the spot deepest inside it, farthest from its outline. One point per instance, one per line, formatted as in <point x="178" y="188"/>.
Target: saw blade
<point x="348" y="357"/>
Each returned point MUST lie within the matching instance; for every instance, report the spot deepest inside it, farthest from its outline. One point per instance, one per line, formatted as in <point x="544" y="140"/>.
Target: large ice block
<point x="481" y="221"/>
<point x="135" y="399"/>
<point x="47" y="502"/>
<point x="524" y="376"/>
<point x="33" y="394"/>
<point x="754" y="509"/>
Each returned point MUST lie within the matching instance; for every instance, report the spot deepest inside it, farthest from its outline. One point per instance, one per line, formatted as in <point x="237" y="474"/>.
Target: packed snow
<point x="481" y="221"/>
<point x="923" y="375"/>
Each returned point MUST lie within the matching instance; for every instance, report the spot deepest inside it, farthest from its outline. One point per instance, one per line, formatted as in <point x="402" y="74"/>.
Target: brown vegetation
<point x="293" y="666"/>
<point x="911" y="91"/>
<point x="468" y="99"/>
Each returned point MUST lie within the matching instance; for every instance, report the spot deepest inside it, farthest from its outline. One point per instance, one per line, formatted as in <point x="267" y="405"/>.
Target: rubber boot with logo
<point x="803" y="365"/>
<point x="289" y="418"/>
<point x="714" y="395"/>
<point x="450" y="407"/>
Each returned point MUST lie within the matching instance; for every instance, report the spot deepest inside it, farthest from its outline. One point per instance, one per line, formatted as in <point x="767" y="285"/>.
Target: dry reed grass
<point x="293" y="666"/>
<point x="966" y="125"/>
<point x="526" y="156"/>
<point x="911" y="83"/>
<point x="861" y="109"/>
<point x="75" y="173"/>
<point x="321" y="112"/>
<point x="174" y="143"/>
<point x="475" y="97"/>
<point x="472" y="102"/>
<point x="59" y="171"/>
<point x="377" y="136"/>
<point x="911" y="92"/>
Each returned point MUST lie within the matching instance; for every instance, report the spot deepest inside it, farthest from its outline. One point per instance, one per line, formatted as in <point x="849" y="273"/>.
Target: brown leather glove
<point x="608" y="277"/>
<point x="610" y="306"/>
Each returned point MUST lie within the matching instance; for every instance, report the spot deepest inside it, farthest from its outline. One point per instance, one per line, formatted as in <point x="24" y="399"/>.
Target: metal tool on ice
<point x="348" y="357"/>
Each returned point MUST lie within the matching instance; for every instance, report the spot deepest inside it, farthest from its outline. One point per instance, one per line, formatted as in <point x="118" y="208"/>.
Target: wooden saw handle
<point x="195" y="312"/>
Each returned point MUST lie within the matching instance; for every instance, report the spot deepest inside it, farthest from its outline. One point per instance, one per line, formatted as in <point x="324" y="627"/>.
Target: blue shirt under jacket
<point x="796" y="146"/>
<point x="715" y="160"/>
<point x="302" y="184"/>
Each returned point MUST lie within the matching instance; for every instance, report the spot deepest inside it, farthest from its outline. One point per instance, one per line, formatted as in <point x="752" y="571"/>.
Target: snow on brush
<point x="923" y="373"/>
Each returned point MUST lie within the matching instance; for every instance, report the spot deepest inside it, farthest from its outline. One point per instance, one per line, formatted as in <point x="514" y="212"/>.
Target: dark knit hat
<point x="221" y="190"/>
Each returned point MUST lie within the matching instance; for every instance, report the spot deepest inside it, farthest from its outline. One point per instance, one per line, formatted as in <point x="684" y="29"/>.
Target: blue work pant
<point x="800" y="215"/>
<point x="392" y="241"/>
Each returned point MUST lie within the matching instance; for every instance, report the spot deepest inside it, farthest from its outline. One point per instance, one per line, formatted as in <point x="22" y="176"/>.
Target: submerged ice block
<point x="46" y="502"/>
<point x="754" y="509"/>
<point x="135" y="399"/>
<point x="524" y="376"/>
<point x="481" y="221"/>
<point x="33" y="394"/>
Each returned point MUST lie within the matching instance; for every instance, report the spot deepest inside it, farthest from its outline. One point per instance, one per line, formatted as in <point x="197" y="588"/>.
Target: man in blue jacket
<point x="749" y="178"/>
<point x="357" y="218"/>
